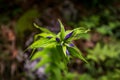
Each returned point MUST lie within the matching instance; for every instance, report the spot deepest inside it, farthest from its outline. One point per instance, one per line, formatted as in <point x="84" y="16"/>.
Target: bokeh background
<point x="101" y="46"/>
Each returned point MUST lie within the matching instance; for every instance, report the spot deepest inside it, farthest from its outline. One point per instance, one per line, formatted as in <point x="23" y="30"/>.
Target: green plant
<point x="104" y="61"/>
<point x="26" y="19"/>
<point x="101" y="53"/>
<point x="56" y="50"/>
<point x="108" y="29"/>
<point x="105" y="23"/>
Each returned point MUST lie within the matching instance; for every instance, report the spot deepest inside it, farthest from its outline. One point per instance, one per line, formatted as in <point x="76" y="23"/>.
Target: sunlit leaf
<point x="44" y="35"/>
<point x="40" y="54"/>
<point x="76" y="53"/>
<point x="41" y="28"/>
<point x="43" y="42"/>
<point x="62" y="32"/>
<point x="77" y="33"/>
<point x="64" y="49"/>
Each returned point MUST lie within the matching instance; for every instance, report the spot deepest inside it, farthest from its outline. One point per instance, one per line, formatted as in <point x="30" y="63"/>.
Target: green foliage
<point x="104" y="62"/>
<point x="26" y="19"/>
<point x="107" y="29"/>
<point x="100" y="53"/>
<point x="105" y="23"/>
<point x="85" y="77"/>
<point x="56" y="50"/>
<point x="111" y="75"/>
<point x="90" y="22"/>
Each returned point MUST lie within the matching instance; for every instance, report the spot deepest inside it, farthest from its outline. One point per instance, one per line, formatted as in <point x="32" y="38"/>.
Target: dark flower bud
<point x="68" y="35"/>
<point x="67" y="52"/>
<point x="71" y="45"/>
<point x="49" y="37"/>
<point x="57" y="39"/>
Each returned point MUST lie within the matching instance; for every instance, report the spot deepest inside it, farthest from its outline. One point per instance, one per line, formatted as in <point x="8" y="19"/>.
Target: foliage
<point x="56" y="50"/>
<point x="100" y="53"/>
<point x="105" y="22"/>
<point x="104" y="62"/>
<point x="26" y="19"/>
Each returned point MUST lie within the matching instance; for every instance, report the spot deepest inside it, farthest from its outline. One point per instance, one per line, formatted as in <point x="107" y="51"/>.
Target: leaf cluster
<point x="56" y="49"/>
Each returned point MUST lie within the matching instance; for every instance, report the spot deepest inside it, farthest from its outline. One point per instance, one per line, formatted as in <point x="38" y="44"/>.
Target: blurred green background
<point x="101" y="46"/>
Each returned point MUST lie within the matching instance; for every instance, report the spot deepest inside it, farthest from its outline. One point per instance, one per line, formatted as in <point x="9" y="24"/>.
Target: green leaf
<point x="78" y="33"/>
<point x="44" y="35"/>
<point x="55" y="55"/>
<point x="76" y="53"/>
<point x="57" y="73"/>
<point x="43" y="42"/>
<point x="62" y="32"/>
<point x="94" y="58"/>
<point x="81" y="30"/>
<point x="25" y="22"/>
<point x="42" y="29"/>
<point x="64" y="49"/>
<point x="45" y="59"/>
<point x="40" y="54"/>
<point x="60" y="51"/>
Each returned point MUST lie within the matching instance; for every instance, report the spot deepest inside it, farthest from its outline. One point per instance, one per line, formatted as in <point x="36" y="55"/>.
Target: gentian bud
<point x="67" y="52"/>
<point x="49" y="37"/>
<point x="68" y="35"/>
<point x="57" y="39"/>
<point x="71" y="45"/>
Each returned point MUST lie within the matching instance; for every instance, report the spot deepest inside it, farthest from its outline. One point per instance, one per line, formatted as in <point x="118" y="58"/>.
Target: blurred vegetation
<point x="100" y="46"/>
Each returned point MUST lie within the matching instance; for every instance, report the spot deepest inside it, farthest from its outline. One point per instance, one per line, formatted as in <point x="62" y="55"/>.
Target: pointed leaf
<point x="62" y="32"/>
<point x="64" y="50"/>
<point x="42" y="29"/>
<point x="76" y="53"/>
<point x="44" y="35"/>
<point x="78" y="32"/>
<point x="60" y="51"/>
<point x="40" y="54"/>
<point x="43" y="42"/>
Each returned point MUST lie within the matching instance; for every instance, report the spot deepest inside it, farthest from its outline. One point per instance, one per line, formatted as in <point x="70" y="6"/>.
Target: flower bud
<point x="71" y="45"/>
<point x="68" y="35"/>
<point x="67" y="52"/>
<point x="49" y="37"/>
<point x="57" y="39"/>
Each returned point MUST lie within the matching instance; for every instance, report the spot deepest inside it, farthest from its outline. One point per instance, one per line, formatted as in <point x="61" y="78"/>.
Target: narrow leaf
<point x="42" y="29"/>
<point x="62" y="32"/>
<point x="43" y="35"/>
<point x="78" y="32"/>
<point x="40" y="54"/>
<point x="60" y="51"/>
<point x="64" y="50"/>
<point x="76" y="53"/>
<point x="42" y="43"/>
